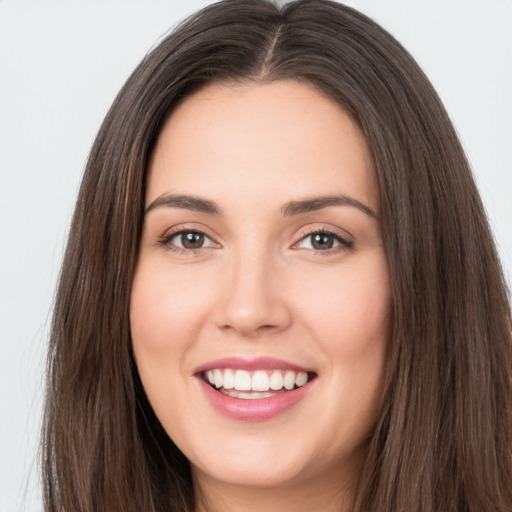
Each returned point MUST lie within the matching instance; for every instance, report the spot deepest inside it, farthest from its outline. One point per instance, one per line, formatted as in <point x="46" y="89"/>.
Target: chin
<point x="279" y="462"/>
<point x="252" y="470"/>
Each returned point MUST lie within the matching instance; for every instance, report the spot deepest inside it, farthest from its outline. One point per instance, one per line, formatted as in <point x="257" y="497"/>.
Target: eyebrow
<point x="198" y="204"/>
<point x="318" y="203"/>
<point x="186" y="202"/>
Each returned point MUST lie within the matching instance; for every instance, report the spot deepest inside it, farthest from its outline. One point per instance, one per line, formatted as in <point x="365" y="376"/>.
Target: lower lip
<point x="259" y="409"/>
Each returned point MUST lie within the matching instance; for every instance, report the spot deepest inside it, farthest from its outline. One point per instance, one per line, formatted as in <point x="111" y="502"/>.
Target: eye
<point x="188" y="240"/>
<point x="323" y="241"/>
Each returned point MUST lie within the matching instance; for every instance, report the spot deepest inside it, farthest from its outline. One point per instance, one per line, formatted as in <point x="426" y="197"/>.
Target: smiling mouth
<point x="250" y="385"/>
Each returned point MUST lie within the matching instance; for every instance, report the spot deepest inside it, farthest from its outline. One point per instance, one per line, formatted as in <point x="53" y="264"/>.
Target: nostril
<point x="248" y="330"/>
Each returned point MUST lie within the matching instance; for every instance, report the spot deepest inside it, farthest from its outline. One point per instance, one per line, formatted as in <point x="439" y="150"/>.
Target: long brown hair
<point x="443" y="440"/>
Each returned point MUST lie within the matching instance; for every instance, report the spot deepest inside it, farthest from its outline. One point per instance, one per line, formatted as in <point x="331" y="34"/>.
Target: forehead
<point x="274" y="141"/>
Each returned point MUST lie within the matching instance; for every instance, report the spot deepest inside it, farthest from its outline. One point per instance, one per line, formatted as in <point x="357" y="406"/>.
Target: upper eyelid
<point x="180" y="228"/>
<point x="342" y="233"/>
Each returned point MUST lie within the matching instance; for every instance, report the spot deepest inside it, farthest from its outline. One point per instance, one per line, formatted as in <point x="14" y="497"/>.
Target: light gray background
<point x="61" y="64"/>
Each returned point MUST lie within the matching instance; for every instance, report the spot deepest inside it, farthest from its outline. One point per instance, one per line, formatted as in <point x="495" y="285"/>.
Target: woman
<point x="280" y="290"/>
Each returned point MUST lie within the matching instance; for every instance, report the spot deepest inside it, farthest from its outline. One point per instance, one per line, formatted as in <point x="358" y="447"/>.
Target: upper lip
<point x="259" y="363"/>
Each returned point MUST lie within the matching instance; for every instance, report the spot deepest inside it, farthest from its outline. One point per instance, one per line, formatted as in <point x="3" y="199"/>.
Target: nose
<point x="253" y="299"/>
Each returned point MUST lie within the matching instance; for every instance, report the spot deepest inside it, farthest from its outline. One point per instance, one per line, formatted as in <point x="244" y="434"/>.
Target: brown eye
<point x="187" y="240"/>
<point x="322" y="241"/>
<point x="191" y="240"/>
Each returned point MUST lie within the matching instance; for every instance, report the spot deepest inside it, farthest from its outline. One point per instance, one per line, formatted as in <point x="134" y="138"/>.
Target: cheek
<point x="166" y="315"/>
<point x="349" y="310"/>
<point x="349" y="316"/>
<point x="165" y="310"/>
<point x="350" y="320"/>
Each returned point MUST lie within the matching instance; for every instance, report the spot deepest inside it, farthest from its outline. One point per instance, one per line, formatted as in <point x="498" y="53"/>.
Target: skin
<point x="259" y="288"/>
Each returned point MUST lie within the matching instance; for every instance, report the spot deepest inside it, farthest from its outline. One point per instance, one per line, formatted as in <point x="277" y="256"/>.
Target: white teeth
<point x="229" y="379"/>
<point x="246" y="395"/>
<point x="242" y="381"/>
<point x="276" y="380"/>
<point x="217" y="374"/>
<point x="301" y="379"/>
<point x="260" y="381"/>
<point x="289" y="380"/>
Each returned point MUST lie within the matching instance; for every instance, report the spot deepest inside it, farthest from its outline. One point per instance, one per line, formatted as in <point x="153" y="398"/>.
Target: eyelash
<point x="344" y="244"/>
<point x="166" y="241"/>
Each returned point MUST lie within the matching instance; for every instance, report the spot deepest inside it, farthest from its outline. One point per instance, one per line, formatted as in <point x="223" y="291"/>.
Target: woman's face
<point x="262" y="269"/>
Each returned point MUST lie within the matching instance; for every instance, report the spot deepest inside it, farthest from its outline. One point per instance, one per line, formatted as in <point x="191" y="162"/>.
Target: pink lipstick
<point x="253" y="389"/>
